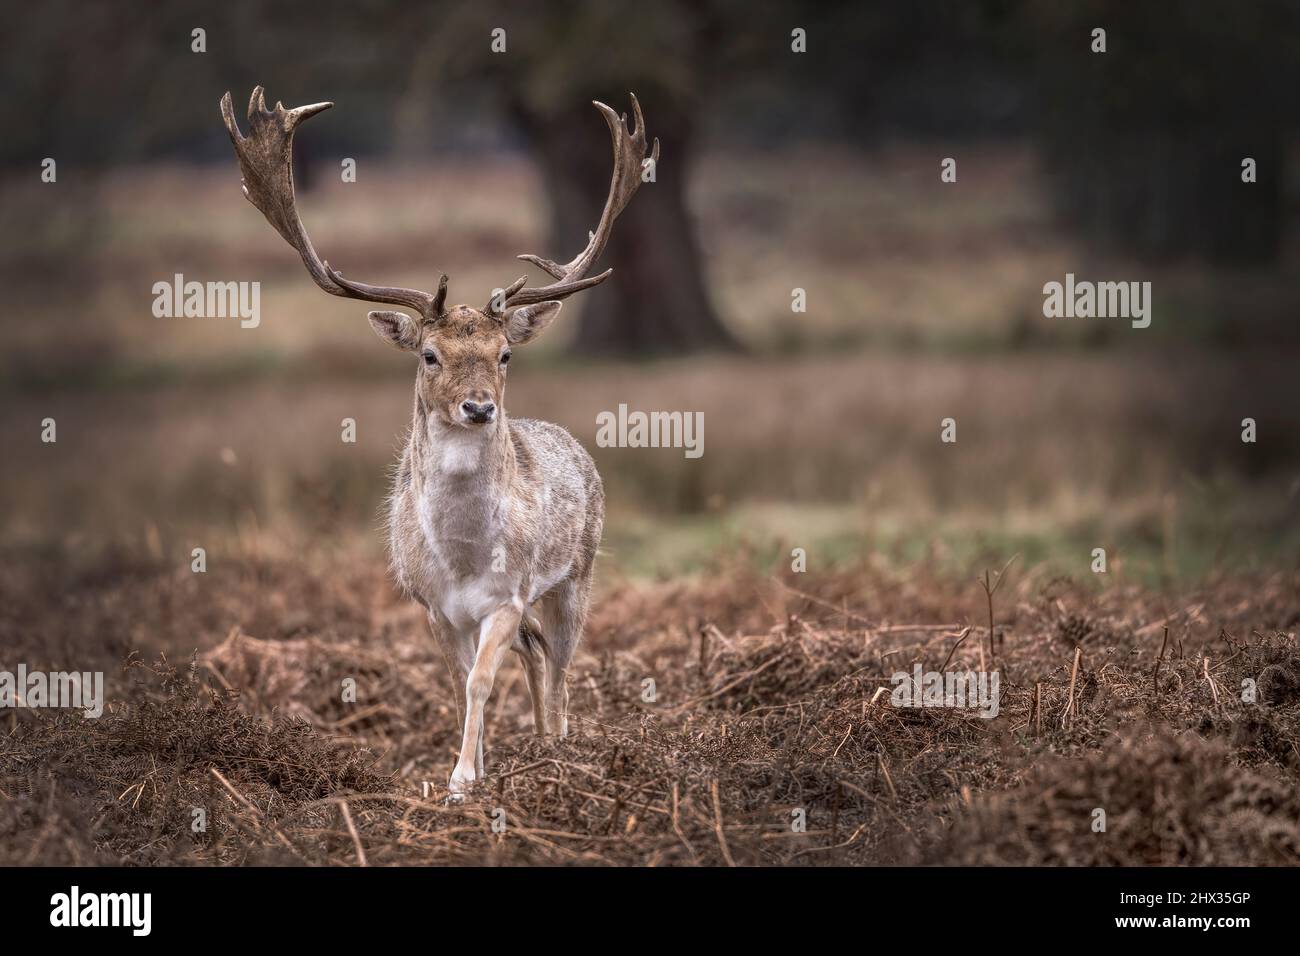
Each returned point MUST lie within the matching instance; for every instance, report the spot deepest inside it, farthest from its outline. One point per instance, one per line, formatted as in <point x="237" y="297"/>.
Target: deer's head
<point x="461" y="352"/>
<point x="463" y="355"/>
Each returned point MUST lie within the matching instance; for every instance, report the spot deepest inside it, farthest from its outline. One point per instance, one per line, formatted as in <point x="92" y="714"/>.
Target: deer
<point x="493" y="522"/>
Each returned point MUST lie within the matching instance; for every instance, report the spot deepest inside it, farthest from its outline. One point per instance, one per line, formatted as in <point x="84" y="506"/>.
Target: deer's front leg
<point x="496" y="635"/>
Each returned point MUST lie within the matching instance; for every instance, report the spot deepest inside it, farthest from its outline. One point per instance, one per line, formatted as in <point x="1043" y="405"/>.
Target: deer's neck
<point x="450" y="459"/>
<point x="462" y="498"/>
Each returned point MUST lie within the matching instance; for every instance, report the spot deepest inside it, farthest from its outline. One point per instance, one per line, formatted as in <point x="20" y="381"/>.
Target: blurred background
<point x="780" y="170"/>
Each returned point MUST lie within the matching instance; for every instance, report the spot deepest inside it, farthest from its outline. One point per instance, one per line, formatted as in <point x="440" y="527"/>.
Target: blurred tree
<point x="558" y="58"/>
<point x="1144" y="142"/>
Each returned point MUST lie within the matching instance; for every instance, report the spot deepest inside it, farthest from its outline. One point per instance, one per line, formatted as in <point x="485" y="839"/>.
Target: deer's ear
<point x="526" y="321"/>
<point x="397" y="329"/>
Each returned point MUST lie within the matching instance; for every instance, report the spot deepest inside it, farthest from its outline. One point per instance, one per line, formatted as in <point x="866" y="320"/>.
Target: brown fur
<point x="493" y="525"/>
<point x="494" y="522"/>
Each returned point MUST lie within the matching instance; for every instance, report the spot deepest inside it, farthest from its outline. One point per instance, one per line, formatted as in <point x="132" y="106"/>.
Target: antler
<point x="629" y="157"/>
<point x="266" y="160"/>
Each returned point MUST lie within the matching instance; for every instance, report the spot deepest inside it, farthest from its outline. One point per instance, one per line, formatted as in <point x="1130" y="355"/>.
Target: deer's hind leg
<point x="534" y="659"/>
<point x="458" y="653"/>
<point x="563" y="612"/>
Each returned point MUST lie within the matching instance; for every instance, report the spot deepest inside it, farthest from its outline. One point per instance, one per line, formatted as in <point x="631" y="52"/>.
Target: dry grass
<point x="766" y="702"/>
<point x="1084" y="450"/>
<point x="177" y="434"/>
<point x="888" y="254"/>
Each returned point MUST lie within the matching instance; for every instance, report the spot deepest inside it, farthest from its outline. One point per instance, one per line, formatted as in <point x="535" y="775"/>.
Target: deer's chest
<point x="454" y="556"/>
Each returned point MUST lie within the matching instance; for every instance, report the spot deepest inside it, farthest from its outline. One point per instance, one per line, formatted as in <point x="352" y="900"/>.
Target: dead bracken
<point x="768" y="738"/>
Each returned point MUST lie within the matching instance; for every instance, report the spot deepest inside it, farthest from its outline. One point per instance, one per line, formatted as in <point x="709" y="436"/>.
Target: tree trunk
<point x="1166" y="194"/>
<point x="656" y="302"/>
<point x="1145" y="142"/>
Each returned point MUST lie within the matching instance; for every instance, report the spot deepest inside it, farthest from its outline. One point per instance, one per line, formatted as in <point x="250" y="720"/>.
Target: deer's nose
<point x="480" y="413"/>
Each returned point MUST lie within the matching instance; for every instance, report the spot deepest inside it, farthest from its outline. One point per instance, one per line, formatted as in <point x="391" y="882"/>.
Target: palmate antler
<point x="629" y="158"/>
<point x="266" y="160"/>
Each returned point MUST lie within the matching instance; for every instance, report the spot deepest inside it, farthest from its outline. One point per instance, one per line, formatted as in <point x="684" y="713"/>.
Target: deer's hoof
<point x="459" y="786"/>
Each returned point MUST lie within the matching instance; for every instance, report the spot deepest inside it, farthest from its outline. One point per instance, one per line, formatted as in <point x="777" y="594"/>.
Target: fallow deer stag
<point x="493" y="522"/>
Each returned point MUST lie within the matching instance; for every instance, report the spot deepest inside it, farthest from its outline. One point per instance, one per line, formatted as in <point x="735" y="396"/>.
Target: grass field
<point x="224" y="688"/>
<point x="766" y="709"/>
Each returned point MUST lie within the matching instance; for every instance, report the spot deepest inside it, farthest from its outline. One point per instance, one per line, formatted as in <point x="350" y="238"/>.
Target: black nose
<point x="479" y="414"/>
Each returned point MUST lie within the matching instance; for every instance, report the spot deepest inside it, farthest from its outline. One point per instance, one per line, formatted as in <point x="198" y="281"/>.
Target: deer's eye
<point x="505" y="358"/>
<point x="430" y="358"/>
